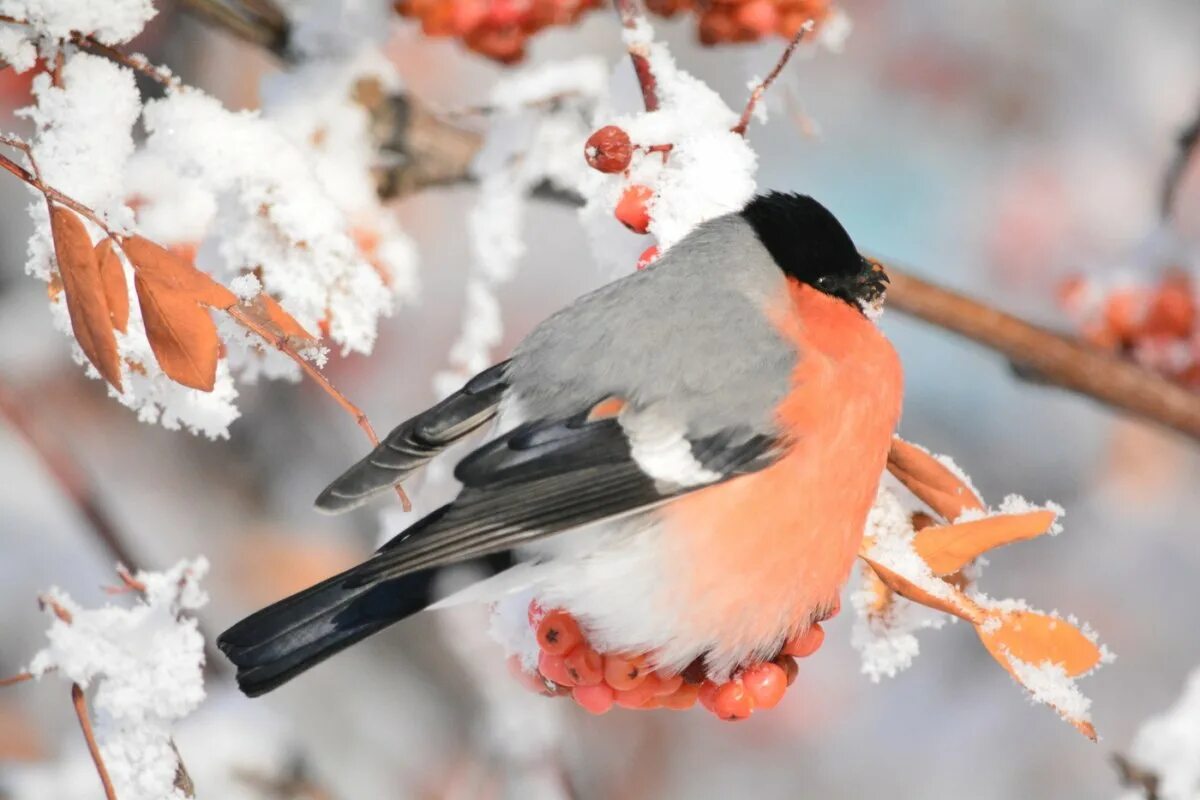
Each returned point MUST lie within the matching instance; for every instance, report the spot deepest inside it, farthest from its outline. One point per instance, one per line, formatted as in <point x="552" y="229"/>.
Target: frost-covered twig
<point x="85" y="724"/>
<point x="635" y="24"/>
<point x="136" y="63"/>
<point x="762" y="87"/>
<point x="1054" y="358"/>
<point x="12" y="680"/>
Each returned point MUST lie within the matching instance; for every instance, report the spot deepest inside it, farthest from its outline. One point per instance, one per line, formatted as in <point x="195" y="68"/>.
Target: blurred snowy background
<point x="995" y="147"/>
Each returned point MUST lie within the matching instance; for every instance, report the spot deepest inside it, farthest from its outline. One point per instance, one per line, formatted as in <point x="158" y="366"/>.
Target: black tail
<point x="276" y="644"/>
<point x="272" y="646"/>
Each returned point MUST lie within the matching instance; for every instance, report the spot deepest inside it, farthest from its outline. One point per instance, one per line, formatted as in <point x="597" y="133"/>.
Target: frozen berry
<point x="641" y="694"/>
<point x="558" y="633"/>
<point x="758" y="16"/>
<point x="624" y="673"/>
<point x="647" y="257"/>
<point x="682" y="698"/>
<point x="631" y="209"/>
<point x="595" y="699"/>
<point x="585" y="666"/>
<point x="608" y="149"/>
<point x="733" y="701"/>
<point x="806" y="643"/>
<point x="668" y="685"/>
<point x="535" y="614"/>
<point x="554" y="667"/>
<point x="766" y="683"/>
<point x="708" y="695"/>
<point x="788" y="664"/>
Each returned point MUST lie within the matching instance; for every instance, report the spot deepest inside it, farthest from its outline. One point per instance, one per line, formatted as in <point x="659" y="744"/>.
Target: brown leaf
<point x="960" y="605"/>
<point x="112" y="276"/>
<point x="1034" y="638"/>
<point x="947" y="548"/>
<point x="153" y="262"/>
<point x="90" y="319"/>
<point x="283" y="321"/>
<point x="181" y="333"/>
<point x="930" y="480"/>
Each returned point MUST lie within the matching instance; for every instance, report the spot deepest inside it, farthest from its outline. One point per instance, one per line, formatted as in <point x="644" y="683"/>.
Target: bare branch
<point x="20" y="677"/>
<point x="263" y="26"/>
<point x="761" y="89"/>
<point x="1054" y="358"/>
<point x="85" y="724"/>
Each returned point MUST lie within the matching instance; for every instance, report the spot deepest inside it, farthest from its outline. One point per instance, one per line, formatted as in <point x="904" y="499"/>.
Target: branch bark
<point x="1054" y="358"/>
<point x="85" y="724"/>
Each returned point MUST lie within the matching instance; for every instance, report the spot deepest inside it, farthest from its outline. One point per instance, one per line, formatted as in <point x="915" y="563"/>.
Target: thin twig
<point x="137" y="63"/>
<point x="20" y="677"/>
<point x="281" y="344"/>
<point x="1189" y="144"/>
<point x="1054" y="358"/>
<point x="761" y="89"/>
<point x="630" y="18"/>
<point x="68" y="475"/>
<point x="85" y="724"/>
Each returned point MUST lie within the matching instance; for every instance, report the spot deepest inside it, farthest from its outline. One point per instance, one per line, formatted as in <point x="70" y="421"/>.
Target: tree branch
<point x="263" y="26"/>
<point x="85" y="724"/>
<point x="760" y="90"/>
<point x="1057" y="359"/>
<point x="630" y="18"/>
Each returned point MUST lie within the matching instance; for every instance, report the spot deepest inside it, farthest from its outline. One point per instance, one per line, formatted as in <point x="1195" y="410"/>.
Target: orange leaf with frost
<point x="153" y="263"/>
<point x="1036" y="638"/>
<point x="90" y="319"/>
<point x="266" y="309"/>
<point x="112" y="277"/>
<point x="948" y="548"/>
<point x="931" y="480"/>
<point x="956" y="604"/>
<point x="181" y="333"/>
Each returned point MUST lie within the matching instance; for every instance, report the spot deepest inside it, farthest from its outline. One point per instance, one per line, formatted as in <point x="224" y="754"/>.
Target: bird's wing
<point x="549" y="476"/>
<point x="413" y="443"/>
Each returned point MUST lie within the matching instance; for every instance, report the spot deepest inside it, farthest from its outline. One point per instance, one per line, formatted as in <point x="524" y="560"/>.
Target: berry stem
<point x="761" y="89"/>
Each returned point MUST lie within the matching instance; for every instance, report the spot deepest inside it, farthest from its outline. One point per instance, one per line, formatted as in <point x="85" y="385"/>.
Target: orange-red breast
<point x="683" y="460"/>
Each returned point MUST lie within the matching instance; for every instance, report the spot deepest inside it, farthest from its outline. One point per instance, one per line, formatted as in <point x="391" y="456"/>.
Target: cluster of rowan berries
<point x="497" y="29"/>
<point x="610" y="150"/>
<point x="723" y="21"/>
<point x="569" y="665"/>
<point x="1155" y="323"/>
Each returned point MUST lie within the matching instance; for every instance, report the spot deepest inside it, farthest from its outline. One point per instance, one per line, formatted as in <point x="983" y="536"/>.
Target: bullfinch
<point x="683" y="460"/>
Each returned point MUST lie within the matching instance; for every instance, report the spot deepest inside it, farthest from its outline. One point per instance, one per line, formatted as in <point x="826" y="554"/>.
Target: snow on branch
<point x="143" y="666"/>
<point x="283" y="199"/>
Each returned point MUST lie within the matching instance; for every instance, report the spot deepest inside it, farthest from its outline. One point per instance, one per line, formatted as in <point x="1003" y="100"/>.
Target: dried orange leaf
<point x="959" y="605"/>
<point x="1036" y="638"/>
<point x="284" y="321"/>
<point x="153" y="262"/>
<point x="181" y="333"/>
<point x="90" y="320"/>
<point x="947" y="548"/>
<point x="931" y="480"/>
<point x="112" y="276"/>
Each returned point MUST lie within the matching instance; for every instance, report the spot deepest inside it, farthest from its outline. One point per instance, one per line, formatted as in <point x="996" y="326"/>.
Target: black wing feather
<point x="414" y="442"/>
<point x="543" y="478"/>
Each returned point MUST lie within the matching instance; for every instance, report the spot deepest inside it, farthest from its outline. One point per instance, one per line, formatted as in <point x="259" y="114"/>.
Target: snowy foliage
<point x="285" y="195"/>
<point x="1168" y="747"/>
<point x="144" y="664"/>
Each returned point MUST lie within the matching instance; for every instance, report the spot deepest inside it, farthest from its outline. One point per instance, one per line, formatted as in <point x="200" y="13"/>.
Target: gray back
<point x="688" y="335"/>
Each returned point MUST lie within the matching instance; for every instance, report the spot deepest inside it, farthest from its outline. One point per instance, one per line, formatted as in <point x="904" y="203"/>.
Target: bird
<point x="683" y="459"/>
